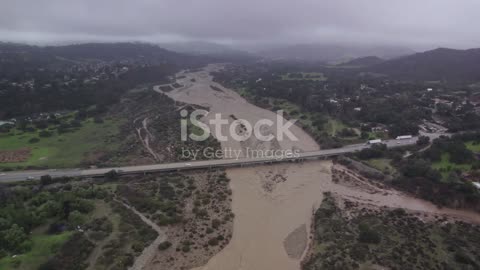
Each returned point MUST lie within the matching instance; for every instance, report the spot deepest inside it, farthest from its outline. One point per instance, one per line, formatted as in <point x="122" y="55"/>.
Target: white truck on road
<point x="404" y="137"/>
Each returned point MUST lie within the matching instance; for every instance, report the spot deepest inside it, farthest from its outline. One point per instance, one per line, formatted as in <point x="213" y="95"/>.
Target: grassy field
<point x="63" y="150"/>
<point x="381" y="164"/>
<point x="473" y="146"/>
<point x="44" y="246"/>
<point x="445" y="166"/>
<point x="334" y="126"/>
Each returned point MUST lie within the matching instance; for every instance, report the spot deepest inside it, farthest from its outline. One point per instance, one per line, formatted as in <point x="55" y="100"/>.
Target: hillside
<point x="363" y="62"/>
<point x="333" y="53"/>
<point x="19" y="57"/>
<point x="439" y="64"/>
<point x="40" y="79"/>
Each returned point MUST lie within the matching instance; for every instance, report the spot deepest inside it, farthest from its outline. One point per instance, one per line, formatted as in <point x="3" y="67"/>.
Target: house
<point x="380" y="128"/>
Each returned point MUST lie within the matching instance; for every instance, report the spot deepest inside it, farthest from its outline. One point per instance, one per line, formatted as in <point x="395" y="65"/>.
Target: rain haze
<point x="417" y="24"/>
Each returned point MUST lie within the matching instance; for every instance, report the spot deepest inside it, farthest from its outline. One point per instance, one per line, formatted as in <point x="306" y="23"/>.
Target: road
<point x="204" y="164"/>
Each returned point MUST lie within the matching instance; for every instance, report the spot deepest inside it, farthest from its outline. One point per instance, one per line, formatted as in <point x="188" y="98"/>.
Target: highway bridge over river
<point x="203" y="164"/>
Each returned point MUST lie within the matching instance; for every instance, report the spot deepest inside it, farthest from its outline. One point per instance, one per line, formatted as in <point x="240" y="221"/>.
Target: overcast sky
<point x="413" y="23"/>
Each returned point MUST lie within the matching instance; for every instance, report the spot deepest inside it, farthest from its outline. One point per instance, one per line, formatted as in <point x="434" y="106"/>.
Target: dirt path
<point x="145" y="137"/>
<point x="149" y="252"/>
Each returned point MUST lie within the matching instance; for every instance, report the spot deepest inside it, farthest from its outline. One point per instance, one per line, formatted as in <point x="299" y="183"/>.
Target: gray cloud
<point x="417" y="23"/>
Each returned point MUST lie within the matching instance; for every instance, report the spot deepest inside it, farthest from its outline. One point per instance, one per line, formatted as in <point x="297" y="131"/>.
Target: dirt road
<point x="149" y="252"/>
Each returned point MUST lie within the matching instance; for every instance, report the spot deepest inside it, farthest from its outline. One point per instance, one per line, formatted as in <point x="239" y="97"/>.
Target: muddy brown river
<point x="273" y="204"/>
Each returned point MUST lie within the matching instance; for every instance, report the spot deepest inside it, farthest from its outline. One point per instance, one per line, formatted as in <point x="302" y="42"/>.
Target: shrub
<point x="463" y="258"/>
<point x="46" y="180"/>
<point x="34" y="140"/>
<point x="213" y="242"/>
<point x="111" y="175"/>
<point x="186" y="248"/>
<point x="369" y="236"/>
<point x="164" y="245"/>
<point x="98" y="120"/>
<point x="44" y="133"/>
<point x="216" y="223"/>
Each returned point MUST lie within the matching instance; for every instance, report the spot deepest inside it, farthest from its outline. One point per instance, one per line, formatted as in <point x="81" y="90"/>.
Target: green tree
<point x="45" y="180"/>
<point x="111" y="175"/>
<point x="44" y="133"/>
<point x="423" y="140"/>
<point x="15" y="239"/>
<point x="76" y="219"/>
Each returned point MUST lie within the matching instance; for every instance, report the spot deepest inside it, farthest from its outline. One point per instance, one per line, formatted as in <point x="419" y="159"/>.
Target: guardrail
<point x="220" y="164"/>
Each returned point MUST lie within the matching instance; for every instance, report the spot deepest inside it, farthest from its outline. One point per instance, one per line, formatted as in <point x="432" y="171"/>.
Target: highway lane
<point x="189" y="165"/>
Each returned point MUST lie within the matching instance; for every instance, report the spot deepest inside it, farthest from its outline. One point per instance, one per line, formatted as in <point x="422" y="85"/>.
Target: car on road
<point x="188" y="164"/>
<point x="30" y="178"/>
<point x="2" y="174"/>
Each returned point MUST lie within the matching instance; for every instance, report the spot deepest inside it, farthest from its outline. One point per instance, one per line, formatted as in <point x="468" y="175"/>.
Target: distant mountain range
<point x="20" y="60"/>
<point x="93" y="51"/>
<point x="435" y="65"/>
<point x="333" y="54"/>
